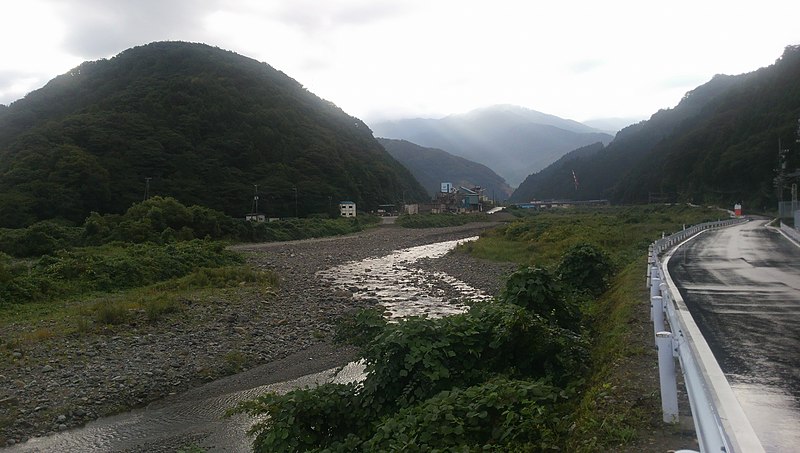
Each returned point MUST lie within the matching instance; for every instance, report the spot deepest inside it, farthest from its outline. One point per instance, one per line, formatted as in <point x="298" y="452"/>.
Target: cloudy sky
<point x="381" y="59"/>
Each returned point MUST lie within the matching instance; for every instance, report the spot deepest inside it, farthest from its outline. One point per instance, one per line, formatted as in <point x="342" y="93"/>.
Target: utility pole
<point x="255" y="199"/>
<point x="295" y="200"/>
<point x="146" y="188"/>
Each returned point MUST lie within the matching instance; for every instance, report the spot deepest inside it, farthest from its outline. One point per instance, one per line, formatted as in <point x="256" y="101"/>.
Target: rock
<point x="47" y="369"/>
<point x="62" y="418"/>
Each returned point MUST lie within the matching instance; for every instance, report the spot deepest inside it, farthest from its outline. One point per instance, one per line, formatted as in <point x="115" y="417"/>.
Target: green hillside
<point x="718" y="145"/>
<point x="431" y="167"/>
<point x="204" y="124"/>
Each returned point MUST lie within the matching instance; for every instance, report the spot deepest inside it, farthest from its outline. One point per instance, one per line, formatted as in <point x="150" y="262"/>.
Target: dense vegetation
<point x="203" y="124"/>
<point x="513" y="141"/>
<point x="515" y="374"/>
<point x="433" y="166"/>
<point x="718" y="145"/>
<point x="154" y="241"/>
<point x="164" y="221"/>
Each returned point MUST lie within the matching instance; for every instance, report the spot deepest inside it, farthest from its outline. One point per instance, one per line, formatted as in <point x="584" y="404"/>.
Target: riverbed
<point x="321" y="280"/>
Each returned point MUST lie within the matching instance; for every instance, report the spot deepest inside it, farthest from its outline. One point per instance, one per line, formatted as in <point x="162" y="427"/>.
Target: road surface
<point x="742" y="286"/>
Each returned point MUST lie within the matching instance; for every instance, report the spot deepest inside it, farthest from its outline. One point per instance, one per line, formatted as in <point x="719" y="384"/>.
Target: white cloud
<point x="573" y="58"/>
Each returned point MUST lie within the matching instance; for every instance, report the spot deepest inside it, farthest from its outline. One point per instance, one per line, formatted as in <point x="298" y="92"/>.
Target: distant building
<point x="470" y="198"/>
<point x="347" y="208"/>
<point x="537" y="204"/>
<point x="386" y="210"/>
<point x="255" y="217"/>
<point x="446" y="187"/>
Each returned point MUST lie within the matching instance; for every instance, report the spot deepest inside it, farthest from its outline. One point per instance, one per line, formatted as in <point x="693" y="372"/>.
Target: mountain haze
<point x="513" y="141"/>
<point x="204" y="124"/>
<point x="433" y="166"/>
<point x="718" y="145"/>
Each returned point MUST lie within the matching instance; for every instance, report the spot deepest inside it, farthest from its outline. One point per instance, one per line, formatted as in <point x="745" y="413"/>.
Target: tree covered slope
<point x="204" y="124"/>
<point x="718" y="145"/>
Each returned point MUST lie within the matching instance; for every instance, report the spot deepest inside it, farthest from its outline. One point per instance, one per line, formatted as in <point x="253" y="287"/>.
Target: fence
<point x="719" y="420"/>
<point x="786" y="209"/>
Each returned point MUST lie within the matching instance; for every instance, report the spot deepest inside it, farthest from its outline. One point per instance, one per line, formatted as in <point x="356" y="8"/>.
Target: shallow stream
<point x="196" y="418"/>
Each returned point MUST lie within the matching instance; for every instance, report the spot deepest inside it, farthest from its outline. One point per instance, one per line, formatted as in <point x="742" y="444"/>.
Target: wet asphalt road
<point x="742" y="286"/>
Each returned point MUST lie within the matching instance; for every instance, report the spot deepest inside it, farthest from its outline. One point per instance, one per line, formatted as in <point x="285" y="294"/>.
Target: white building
<point x="347" y="208"/>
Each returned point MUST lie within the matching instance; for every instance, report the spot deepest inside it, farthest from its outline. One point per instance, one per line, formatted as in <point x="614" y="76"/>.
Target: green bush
<point x="515" y="413"/>
<point x="586" y="267"/>
<point x="111" y="313"/>
<point x="109" y="268"/>
<point x="413" y="361"/>
<point x="536" y="289"/>
<point x="41" y="238"/>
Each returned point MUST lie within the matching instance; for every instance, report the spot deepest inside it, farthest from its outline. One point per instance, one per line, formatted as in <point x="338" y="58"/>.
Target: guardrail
<point x="719" y="420"/>
<point x="791" y="232"/>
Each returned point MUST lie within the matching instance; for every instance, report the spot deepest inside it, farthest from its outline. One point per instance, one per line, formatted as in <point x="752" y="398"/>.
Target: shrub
<point x="409" y="363"/>
<point x="110" y="313"/>
<point x="498" y="412"/>
<point x="537" y="290"/>
<point x="586" y="267"/>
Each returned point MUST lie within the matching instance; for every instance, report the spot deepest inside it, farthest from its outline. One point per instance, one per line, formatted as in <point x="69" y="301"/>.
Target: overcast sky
<point x="380" y="59"/>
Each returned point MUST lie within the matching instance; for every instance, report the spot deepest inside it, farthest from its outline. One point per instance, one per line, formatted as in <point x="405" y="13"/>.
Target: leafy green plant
<point x="514" y="413"/>
<point x="586" y="267"/>
<point x="412" y="361"/>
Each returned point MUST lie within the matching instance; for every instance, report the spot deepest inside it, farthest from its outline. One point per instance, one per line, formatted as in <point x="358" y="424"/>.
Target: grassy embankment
<point x="615" y="408"/>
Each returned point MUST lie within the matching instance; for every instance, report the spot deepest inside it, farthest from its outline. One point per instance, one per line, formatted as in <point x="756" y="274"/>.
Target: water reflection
<point x="404" y="290"/>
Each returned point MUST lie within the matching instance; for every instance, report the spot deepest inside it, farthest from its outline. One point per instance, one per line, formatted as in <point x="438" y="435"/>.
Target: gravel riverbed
<point x="53" y="384"/>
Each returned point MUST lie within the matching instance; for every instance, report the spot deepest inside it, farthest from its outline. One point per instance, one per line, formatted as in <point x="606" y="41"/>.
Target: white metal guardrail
<point x="791" y="232"/>
<point x="719" y="420"/>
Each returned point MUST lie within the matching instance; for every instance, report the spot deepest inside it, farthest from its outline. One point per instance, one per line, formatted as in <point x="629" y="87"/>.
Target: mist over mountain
<point x="718" y="145"/>
<point x="611" y="125"/>
<point x="203" y="125"/>
<point x="513" y="141"/>
<point x="431" y="167"/>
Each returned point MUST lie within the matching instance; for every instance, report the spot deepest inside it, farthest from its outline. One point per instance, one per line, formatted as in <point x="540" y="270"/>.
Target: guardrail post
<point x="657" y="315"/>
<point x="666" y="374"/>
<point x="655" y="283"/>
<point x="655" y="288"/>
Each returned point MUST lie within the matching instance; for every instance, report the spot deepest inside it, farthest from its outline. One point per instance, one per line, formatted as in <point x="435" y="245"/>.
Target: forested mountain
<point x="561" y="182"/>
<point x="203" y="124"/>
<point x="433" y="166"/>
<point x="718" y="145"/>
<point x="513" y="141"/>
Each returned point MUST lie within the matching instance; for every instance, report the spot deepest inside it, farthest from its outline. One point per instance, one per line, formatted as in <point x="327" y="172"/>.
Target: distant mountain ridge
<point x="718" y="145"/>
<point x="191" y="121"/>
<point x="513" y="141"/>
<point x="433" y="166"/>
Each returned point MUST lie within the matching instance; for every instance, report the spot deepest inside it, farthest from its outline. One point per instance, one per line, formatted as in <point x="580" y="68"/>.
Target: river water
<point x="196" y="417"/>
